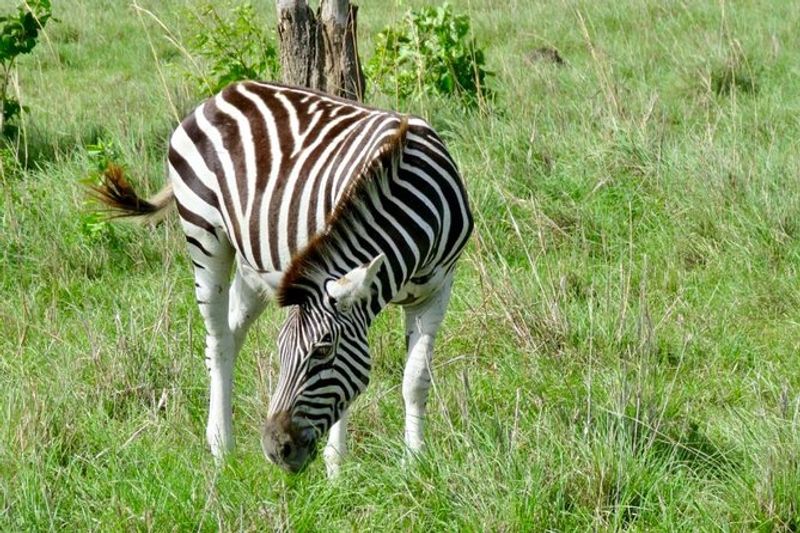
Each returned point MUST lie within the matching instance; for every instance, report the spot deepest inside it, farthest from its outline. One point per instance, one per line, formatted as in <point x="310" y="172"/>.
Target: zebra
<point x="331" y="208"/>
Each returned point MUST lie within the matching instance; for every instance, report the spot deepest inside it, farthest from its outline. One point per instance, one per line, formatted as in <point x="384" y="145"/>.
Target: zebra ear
<point x="355" y="284"/>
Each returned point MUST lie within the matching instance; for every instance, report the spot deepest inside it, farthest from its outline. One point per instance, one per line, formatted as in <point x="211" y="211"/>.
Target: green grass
<point x="622" y="346"/>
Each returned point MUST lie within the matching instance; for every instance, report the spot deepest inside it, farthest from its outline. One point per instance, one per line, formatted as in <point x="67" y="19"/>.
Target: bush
<point x="430" y="52"/>
<point x="19" y="33"/>
<point x="234" y="45"/>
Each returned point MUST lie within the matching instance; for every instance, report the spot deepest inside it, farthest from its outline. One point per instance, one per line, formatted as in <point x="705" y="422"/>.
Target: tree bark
<point x="320" y="52"/>
<point x="300" y="45"/>
<point x="343" y="74"/>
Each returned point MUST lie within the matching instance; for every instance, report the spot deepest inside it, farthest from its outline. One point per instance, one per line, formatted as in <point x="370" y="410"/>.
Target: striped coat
<point x="234" y="165"/>
<point x="323" y="204"/>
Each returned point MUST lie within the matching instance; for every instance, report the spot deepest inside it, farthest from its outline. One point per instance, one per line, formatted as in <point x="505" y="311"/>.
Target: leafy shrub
<point x="430" y="52"/>
<point x="19" y="33"/>
<point x="234" y="45"/>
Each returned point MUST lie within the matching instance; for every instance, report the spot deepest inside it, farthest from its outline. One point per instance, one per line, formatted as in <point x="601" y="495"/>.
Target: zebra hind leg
<point x="212" y="257"/>
<point x="422" y="323"/>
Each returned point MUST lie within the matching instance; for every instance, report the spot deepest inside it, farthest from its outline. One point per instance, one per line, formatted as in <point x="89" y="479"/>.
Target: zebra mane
<point x="311" y="259"/>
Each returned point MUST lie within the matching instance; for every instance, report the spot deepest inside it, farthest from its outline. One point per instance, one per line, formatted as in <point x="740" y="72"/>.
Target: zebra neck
<point x="365" y="223"/>
<point x="356" y="241"/>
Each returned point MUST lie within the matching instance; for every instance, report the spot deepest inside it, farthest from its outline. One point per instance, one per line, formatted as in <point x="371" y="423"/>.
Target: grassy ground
<point x="622" y="346"/>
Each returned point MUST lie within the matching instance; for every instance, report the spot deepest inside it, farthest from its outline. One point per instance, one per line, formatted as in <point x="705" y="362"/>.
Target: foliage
<point x="234" y="45"/>
<point x="10" y="166"/>
<point x="102" y="154"/>
<point x="431" y="51"/>
<point x="19" y="33"/>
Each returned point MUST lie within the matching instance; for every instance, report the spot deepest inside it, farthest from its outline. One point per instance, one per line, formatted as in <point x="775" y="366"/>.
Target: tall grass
<point x="621" y="348"/>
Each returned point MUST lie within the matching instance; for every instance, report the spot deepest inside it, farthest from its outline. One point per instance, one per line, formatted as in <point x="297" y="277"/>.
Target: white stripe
<point x="250" y="174"/>
<point x="277" y="158"/>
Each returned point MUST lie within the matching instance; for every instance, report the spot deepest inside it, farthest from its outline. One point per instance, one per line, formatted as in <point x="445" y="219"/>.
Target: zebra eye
<point x="322" y="349"/>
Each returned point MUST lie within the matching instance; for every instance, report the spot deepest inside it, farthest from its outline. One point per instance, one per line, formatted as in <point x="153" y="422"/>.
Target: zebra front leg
<point x="422" y="323"/>
<point x="212" y="259"/>
<point x="246" y="305"/>
<point x="336" y="447"/>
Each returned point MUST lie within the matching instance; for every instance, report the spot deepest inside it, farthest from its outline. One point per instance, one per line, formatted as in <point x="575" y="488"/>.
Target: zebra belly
<point x="419" y="288"/>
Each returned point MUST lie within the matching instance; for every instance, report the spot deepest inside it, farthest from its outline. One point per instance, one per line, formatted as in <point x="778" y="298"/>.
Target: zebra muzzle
<point x="286" y="445"/>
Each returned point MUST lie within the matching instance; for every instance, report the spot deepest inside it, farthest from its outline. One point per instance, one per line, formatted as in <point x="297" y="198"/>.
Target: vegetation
<point x="621" y="351"/>
<point x="19" y="33"/>
<point x="233" y="44"/>
<point x="431" y="52"/>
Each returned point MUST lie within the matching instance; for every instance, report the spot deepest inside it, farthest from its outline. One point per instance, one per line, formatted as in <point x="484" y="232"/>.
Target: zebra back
<point x="285" y="173"/>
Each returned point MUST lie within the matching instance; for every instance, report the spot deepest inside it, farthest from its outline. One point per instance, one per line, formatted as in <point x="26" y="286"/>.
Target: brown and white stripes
<point x="331" y="207"/>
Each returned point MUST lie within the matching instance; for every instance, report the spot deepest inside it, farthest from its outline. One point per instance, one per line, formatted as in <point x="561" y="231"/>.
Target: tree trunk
<point x="320" y="52"/>
<point x="300" y="45"/>
<point x="343" y="74"/>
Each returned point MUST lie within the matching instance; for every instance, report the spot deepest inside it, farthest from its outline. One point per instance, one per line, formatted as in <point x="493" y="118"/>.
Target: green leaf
<point x="429" y="52"/>
<point x="18" y="35"/>
<point x="232" y="45"/>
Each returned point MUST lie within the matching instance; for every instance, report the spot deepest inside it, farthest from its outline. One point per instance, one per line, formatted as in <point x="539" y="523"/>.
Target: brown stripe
<point x="263" y="155"/>
<point x="263" y="158"/>
<point x="305" y="176"/>
<point x="304" y="116"/>
<point x="195" y="219"/>
<point x="232" y="141"/>
<point x="356" y="163"/>
<point x="311" y="219"/>
<point x="197" y="244"/>
<point x="286" y="145"/>
<point x="190" y="179"/>
<point x="209" y="154"/>
<point x="355" y="198"/>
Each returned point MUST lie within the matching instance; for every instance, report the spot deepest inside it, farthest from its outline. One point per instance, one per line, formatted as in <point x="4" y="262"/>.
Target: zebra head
<point x="324" y="366"/>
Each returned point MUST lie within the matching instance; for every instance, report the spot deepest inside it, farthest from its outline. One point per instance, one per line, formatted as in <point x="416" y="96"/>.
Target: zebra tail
<point x="122" y="201"/>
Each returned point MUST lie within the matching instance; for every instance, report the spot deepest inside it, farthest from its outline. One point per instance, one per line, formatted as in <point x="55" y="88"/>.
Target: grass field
<point x="622" y="346"/>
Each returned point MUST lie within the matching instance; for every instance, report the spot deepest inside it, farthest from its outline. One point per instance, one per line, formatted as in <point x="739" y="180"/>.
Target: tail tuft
<point x="122" y="201"/>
